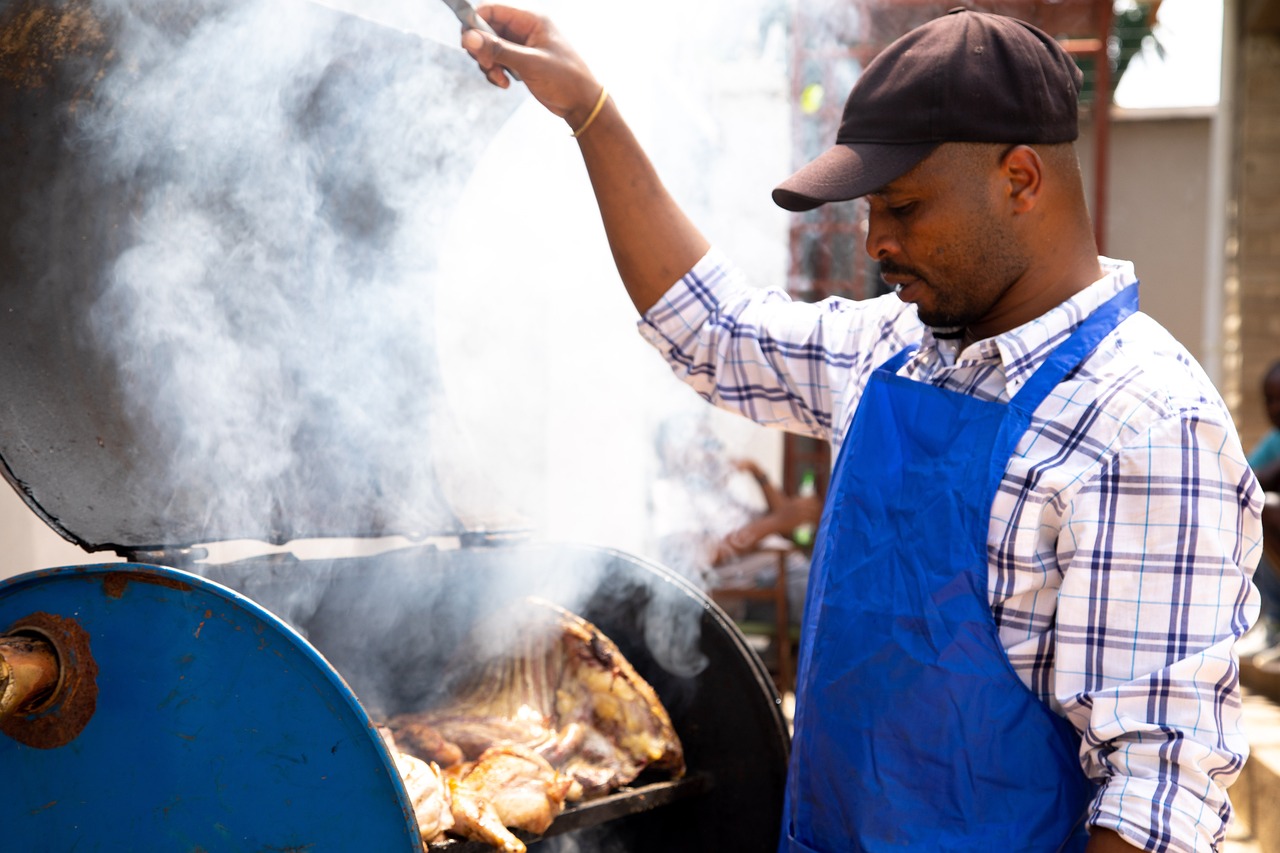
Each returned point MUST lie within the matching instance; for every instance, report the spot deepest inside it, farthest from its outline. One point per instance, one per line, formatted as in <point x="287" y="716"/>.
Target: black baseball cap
<point x="964" y="77"/>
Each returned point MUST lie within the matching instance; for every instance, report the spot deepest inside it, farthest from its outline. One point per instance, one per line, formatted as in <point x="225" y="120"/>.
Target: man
<point x="1036" y="549"/>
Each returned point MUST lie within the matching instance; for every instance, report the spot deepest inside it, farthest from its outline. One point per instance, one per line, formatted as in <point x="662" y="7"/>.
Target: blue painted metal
<point x="217" y="728"/>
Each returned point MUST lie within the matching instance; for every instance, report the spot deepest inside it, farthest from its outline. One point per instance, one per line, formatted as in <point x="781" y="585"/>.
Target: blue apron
<point x="913" y="732"/>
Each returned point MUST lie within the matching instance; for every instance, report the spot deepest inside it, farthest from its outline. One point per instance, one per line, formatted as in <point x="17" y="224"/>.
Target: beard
<point x="963" y="293"/>
<point x="947" y="317"/>
<point x="949" y="307"/>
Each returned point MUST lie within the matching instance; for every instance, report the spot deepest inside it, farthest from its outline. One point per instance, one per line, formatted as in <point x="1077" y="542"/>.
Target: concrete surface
<point x="1256" y="794"/>
<point x="1255" y="791"/>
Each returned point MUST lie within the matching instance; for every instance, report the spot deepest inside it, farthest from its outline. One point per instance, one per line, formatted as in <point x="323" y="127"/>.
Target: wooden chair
<point x="778" y="629"/>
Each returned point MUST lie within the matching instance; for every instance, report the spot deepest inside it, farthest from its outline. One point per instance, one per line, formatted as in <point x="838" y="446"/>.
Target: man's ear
<point x="1023" y="172"/>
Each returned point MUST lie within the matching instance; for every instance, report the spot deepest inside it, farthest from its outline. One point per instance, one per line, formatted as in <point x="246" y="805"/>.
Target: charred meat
<point x="543" y="708"/>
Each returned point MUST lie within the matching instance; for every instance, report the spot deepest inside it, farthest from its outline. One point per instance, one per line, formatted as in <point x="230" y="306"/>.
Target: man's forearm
<point x="653" y="242"/>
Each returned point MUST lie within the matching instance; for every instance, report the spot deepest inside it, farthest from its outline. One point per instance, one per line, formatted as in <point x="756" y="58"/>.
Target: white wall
<point x="26" y="543"/>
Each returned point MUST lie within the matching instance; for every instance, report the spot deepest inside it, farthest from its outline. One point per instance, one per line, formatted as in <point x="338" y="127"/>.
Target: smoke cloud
<point x="344" y="287"/>
<point x="288" y="170"/>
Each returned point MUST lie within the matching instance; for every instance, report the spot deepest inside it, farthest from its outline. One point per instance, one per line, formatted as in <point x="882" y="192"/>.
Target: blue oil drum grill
<point x="216" y="726"/>
<point x="232" y="707"/>
<point x="208" y="709"/>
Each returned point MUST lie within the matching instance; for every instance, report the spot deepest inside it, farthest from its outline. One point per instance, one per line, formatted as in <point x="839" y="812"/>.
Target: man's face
<point x="940" y="232"/>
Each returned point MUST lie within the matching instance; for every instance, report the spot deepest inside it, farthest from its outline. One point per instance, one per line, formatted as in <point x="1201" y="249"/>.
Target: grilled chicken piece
<point x="624" y="726"/>
<point x="523" y="790"/>
<point x="429" y="794"/>
<point x="422" y="741"/>
<point x="474" y="817"/>
<point x="427" y="791"/>
<point x="472" y="735"/>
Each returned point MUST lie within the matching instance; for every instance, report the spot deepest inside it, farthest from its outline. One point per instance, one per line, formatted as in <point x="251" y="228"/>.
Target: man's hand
<point x="530" y="45"/>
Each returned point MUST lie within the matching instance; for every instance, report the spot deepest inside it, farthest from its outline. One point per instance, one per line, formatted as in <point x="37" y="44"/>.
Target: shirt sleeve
<point x="1158" y="551"/>
<point x="793" y="365"/>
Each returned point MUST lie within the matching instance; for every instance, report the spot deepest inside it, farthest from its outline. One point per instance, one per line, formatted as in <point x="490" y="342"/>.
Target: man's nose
<point x="882" y="239"/>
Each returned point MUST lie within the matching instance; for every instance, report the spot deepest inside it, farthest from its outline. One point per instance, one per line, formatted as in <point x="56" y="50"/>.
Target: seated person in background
<point x="708" y="524"/>
<point x="748" y="555"/>
<point x="1264" y="459"/>
<point x="1265" y="456"/>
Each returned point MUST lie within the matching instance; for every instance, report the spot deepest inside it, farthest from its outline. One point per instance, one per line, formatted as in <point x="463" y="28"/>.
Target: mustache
<point x="890" y="268"/>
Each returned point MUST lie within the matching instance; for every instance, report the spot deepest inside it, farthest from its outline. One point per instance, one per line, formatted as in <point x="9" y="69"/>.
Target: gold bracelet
<point x="595" y="111"/>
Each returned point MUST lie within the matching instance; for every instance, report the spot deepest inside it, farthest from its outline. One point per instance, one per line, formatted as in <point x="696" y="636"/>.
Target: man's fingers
<point x="497" y="75"/>
<point x="487" y="51"/>
<point x="481" y="48"/>
<point x="517" y="25"/>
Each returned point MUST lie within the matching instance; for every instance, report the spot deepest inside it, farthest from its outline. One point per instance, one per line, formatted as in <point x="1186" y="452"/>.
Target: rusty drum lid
<point x="217" y="263"/>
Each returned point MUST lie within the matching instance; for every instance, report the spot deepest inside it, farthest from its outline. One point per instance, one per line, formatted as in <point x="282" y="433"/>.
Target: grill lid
<point x="218" y="250"/>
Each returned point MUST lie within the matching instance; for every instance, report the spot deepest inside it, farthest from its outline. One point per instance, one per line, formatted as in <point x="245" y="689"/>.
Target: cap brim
<point x="848" y="171"/>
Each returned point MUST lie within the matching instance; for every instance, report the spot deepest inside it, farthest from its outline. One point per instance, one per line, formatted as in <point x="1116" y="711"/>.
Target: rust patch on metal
<point x="61" y="719"/>
<point x="114" y="583"/>
<point x="36" y="38"/>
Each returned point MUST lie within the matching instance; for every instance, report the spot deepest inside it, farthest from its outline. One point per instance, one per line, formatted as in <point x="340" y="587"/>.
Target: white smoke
<point x="360" y="292"/>
<point x="353" y="276"/>
<point x="290" y="170"/>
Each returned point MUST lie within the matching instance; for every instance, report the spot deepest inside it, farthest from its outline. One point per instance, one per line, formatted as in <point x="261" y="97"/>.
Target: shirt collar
<point x="1023" y="349"/>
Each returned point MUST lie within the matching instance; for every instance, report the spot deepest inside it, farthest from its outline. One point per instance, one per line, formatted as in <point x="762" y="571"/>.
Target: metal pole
<point x="1217" y="276"/>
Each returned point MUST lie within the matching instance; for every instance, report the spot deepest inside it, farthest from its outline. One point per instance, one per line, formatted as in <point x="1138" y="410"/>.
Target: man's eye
<point x="902" y="209"/>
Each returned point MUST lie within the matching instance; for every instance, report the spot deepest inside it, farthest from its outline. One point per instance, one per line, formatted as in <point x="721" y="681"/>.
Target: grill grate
<point x="620" y="804"/>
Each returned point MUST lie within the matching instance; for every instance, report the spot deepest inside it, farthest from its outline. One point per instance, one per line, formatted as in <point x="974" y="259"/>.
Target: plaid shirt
<point x="1123" y="535"/>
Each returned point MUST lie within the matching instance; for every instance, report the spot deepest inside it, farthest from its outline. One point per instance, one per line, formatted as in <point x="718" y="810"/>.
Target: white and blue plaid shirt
<point x="1123" y="536"/>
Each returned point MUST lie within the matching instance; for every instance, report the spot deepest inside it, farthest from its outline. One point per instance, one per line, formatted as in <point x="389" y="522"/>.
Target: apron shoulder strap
<point x="1075" y="349"/>
<point x="894" y="362"/>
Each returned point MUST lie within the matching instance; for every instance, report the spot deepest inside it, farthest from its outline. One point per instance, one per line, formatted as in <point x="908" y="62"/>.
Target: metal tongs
<point x="467" y="15"/>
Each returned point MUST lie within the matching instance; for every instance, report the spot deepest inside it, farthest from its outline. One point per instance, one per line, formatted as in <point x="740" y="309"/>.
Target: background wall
<point x="1157" y="212"/>
<point x="26" y="543"/>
